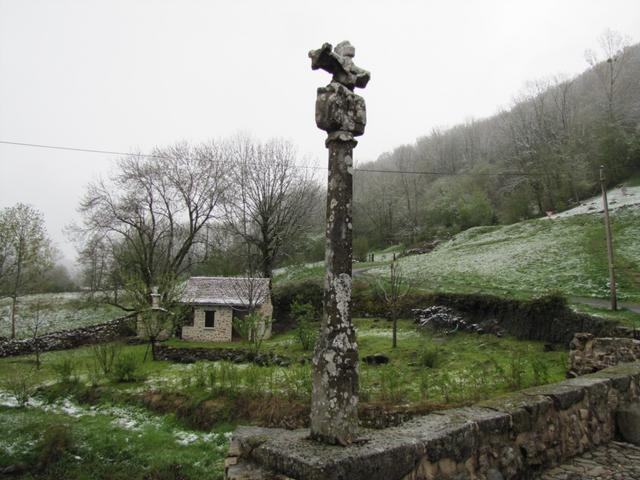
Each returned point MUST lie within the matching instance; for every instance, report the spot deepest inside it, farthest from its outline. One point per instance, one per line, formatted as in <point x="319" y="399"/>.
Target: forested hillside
<point x="540" y="155"/>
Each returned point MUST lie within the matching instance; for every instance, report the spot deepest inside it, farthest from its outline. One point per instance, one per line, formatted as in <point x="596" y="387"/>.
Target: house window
<point x="209" y="318"/>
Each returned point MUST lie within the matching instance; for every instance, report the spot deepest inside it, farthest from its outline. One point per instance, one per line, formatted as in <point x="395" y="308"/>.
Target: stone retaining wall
<point x="236" y="355"/>
<point x="66" y="339"/>
<point x="512" y="437"/>
<point x="589" y="354"/>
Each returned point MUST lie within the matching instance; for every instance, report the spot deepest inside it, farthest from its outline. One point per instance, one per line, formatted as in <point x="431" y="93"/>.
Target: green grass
<point x="114" y="435"/>
<point x="100" y="448"/>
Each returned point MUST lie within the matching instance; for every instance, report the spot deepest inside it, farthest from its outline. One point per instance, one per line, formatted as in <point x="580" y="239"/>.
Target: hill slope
<point x="565" y="254"/>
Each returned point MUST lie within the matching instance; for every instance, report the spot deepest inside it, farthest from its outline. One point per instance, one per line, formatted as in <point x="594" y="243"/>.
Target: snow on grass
<point x="124" y="417"/>
<point x="59" y="311"/>
<point x="534" y="257"/>
<point x="617" y="197"/>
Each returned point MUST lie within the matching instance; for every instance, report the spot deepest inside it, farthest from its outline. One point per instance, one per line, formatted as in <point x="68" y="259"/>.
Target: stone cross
<point x="342" y="114"/>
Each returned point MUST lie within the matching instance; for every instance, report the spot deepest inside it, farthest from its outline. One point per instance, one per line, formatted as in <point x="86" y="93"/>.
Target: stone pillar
<point x="341" y="113"/>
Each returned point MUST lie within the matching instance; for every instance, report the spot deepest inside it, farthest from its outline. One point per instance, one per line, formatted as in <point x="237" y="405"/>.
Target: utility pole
<point x="607" y="226"/>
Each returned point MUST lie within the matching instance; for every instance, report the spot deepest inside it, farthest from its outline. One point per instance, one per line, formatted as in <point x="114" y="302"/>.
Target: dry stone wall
<point x="513" y="437"/>
<point x="235" y="355"/>
<point x="589" y="354"/>
<point x="66" y="339"/>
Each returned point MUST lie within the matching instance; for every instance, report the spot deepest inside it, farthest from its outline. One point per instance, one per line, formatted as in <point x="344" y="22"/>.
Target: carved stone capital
<point x="338" y="109"/>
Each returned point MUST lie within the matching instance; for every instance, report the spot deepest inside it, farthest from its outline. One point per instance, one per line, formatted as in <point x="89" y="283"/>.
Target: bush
<point x="20" y="387"/>
<point x="285" y="295"/>
<point x="65" y="370"/>
<point x="393" y="387"/>
<point x="429" y="357"/>
<point x="104" y="355"/>
<point x="540" y="371"/>
<point x="307" y="329"/>
<point x="56" y="441"/>
<point x="125" y="368"/>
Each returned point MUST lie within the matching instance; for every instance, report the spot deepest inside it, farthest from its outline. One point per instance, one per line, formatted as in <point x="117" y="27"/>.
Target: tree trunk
<point x="14" y="304"/>
<point x="395" y="330"/>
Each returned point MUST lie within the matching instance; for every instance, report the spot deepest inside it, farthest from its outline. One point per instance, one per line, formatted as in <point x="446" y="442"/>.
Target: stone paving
<point x="614" y="461"/>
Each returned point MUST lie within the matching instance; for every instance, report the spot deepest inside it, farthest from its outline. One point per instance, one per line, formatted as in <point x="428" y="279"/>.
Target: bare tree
<point x="272" y="200"/>
<point x="26" y="253"/>
<point x="251" y="291"/>
<point x="393" y="292"/>
<point x="158" y="320"/>
<point x="608" y="69"/>
<point x="151" y="212"/>
<point x="36" y="326"/>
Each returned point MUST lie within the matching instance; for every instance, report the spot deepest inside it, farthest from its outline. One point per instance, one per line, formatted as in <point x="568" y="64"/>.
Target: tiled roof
<point x="231" y="291"/>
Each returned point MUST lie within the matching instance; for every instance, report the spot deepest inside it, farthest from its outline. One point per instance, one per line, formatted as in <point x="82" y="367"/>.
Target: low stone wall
<point x="66" y="339"/>
<point x="589" y="354"/>
<point x="236" y="355"/>
<point x="512" y="437"/>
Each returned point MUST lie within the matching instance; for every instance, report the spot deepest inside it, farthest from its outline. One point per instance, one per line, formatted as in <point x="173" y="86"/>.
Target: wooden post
<point x="607" y="226"/>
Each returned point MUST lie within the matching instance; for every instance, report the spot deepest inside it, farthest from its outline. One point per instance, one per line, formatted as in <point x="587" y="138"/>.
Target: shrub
<point x="20" y="387"/>
<point x="540" y="371"/>
<point x="393" y="387"/>
<point x="285" y="295"/>
<point x="201" y="374"/>
<point x="253" y="327"/>
<point x="429" y="357"/>
<point x="55" y="442"/>
<point x="104" y="355"/>
<point x="65" y="370"/>
<point x="125" y="368"/>
<point x="307" y="329"/>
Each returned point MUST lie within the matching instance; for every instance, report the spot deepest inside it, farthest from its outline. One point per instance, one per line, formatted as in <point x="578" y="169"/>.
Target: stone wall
<point x="235" y="355"/>
<point x="589" y="354"/>
<point x="66" y="339"/>
<point x="221" y="331"/>
<point x="223" y="323"/>
<point x="512" y="437"/>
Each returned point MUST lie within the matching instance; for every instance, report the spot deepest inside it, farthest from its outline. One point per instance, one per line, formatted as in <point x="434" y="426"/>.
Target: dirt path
<point x="598" y="302"/>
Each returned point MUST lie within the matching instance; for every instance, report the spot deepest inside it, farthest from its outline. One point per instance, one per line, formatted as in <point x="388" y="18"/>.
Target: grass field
<point x="114" y="433"/>
<point x="566" y="255"/>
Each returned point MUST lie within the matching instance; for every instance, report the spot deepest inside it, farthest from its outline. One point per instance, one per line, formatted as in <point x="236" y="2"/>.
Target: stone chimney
<point x="155" y="299"/>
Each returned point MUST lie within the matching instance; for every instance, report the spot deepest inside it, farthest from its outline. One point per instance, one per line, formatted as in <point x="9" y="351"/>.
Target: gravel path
<point x="614" y="461"/>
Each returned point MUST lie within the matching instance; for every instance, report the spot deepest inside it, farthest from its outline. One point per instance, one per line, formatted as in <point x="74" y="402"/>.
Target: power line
<point x="313" y="167"/>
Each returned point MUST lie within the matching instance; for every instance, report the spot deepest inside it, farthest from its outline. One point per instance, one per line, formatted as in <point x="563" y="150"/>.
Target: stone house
<point x="216" y="301"/>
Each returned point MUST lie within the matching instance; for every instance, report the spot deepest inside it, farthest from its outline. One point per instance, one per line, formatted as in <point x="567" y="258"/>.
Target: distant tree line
<point x="27" y="258"/>
<point x="555" y="136"/>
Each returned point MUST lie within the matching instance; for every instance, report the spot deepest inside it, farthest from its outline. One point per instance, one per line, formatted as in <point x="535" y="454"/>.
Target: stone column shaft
<point x="334" y="415"/>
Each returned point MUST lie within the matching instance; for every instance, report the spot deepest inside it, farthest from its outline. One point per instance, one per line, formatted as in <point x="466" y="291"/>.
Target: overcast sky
<point x="124" y="75"/>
